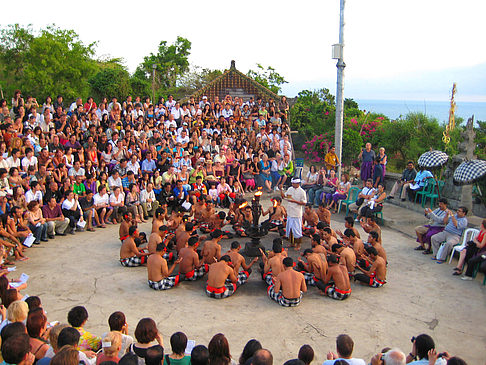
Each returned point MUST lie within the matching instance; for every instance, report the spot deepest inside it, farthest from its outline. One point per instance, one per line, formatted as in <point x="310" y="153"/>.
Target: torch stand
<point x="255" y="231"/>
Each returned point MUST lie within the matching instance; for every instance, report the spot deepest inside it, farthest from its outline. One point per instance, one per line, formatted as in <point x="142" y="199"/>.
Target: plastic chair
<point x="352" y="196"/>
<point x="468" y="235"/>
<point x="299" y="167"/>
<point x="379" y="214"/>
<point x="434" y="194"/>
<point x="426" y="190"/>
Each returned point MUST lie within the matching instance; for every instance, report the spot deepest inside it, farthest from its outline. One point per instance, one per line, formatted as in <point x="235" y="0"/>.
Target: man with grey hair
<point x="392" y="357"/>
<point x="262" y="357"/>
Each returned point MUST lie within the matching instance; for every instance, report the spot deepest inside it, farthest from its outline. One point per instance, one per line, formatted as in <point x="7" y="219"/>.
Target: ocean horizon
<point x="437" y="109"/>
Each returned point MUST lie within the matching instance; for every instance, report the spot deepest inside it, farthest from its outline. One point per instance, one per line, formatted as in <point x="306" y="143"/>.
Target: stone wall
<point x="450" y="191"/>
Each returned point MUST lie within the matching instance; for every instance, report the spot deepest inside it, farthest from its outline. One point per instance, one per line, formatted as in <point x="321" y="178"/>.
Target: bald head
<point x="262" y="357"/>
<point x="394" y="357"/>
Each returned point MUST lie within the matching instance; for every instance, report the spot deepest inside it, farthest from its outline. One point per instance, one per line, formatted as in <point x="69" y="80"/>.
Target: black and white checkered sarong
<point x="309" y="277"/>
<point x="164" y="284"/>
<point x="280" y="299"/>
<point x="133" y="261"/>
<point x="229" y="287"/>
<point x="268" y="278"/>
<point x="197" y="274"/>
<point x="335" y="293"/>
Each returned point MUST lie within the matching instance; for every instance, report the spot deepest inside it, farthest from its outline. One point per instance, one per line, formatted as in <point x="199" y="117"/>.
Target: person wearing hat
<point x="296" y="200"/>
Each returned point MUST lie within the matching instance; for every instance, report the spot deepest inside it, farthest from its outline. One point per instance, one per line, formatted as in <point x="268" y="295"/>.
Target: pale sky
<point x="393" y="49"/>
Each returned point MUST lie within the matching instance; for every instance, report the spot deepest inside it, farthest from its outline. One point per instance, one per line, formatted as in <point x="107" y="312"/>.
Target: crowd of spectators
<point x="28" y="338"/>
<point x="78" y="166"/>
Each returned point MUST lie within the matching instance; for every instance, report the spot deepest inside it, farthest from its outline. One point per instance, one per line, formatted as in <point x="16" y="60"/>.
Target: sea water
<point x="437" y="109"/>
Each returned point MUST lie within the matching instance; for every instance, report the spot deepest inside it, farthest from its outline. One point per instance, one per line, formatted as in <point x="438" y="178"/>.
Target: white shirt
<point x="99" y="200"/>
<point x="26" y="162"/>
<point x="133" y="167"/>
<point x="73" y="172"/>
<point x="66" y="204"/>
<point x="145" y="195"/>
<point x="182" y="140"/>
<point x="170" y="104"/>
<point x="115" y="200"/>
<point x="12" y="163"/>
<point x="295" y="210"/>
<point x="29" y="196"/>
<point x="169" y="123"/>
<point x="125" y="344"/>
<point x="176" y="112"/>
<point x="226" y="113"/>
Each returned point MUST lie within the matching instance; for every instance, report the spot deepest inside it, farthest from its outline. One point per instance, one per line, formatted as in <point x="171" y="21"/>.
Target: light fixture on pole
<point x="337" y="53"/>
<point x="154" y="66"/>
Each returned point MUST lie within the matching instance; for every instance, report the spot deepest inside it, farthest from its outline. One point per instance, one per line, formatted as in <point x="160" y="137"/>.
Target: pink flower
<point x="363" y="133"/>
<point x="304" y="147"/>
<point x="326" y="113"/>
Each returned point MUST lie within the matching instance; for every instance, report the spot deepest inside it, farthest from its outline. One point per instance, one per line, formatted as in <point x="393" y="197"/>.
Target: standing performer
<point x="296" y="199"/>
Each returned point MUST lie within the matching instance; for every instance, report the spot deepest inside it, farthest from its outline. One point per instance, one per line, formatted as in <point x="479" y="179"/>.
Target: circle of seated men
<point x="328" y="264"/>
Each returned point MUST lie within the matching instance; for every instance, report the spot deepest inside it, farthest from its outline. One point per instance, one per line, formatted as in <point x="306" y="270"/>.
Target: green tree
<point x="314" y="112"/>
<point x="55" y="61"/>
<point x="268" y="77"/>
<point x="140" y="84"/>
<point x="112" y="80"/>
<point x="171" y="62"/>
<point x="196" y="79"/>
<point x="481" y="140"/>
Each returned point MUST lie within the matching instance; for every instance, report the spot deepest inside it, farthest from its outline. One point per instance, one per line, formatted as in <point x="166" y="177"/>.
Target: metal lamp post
<point x="337" y="53"/>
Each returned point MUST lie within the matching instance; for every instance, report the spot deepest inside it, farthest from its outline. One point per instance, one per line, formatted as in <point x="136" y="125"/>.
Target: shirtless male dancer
<point x="349" y="224"/>
<point x="159" y="218"/>
<point x="355" y="243"/>
<point x="316" y="245"/>
<point x="183" y="236"/>
<point x="218" y="221"/>
<point x="206" y="214"/>
<point x="238" y="260"/>
<point x="316" y="268"/>
<point x="125" y="224"/>
<point x="222" y="281"/>
<point x="161" y="237"/>
<point x="158" y="272"/>
<point x="211" y="251"/>
<point x="190" y="266"/>
<point x="346" y="256"/>
<point x="277" y="215"/>
<point x="289" y="286"/>
<point x="309" y="220"/>
<point x="337" y="275"/>
<point x="369" y="225"/>
<point x="376" y="275"/>
<point x="324" y="214"/>
<point x="328" y="238"/>
<point x="129" y="254"/>
<point x="273" y="266"/>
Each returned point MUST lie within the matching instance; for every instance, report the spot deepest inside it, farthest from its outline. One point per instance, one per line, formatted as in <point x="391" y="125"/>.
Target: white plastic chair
<point x="468" y="235"/>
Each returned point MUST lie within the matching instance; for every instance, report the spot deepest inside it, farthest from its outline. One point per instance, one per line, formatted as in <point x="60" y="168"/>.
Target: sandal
<point x="426" y="252"/>
<point x="457" y="272"/>
<point x="419" y="248"/>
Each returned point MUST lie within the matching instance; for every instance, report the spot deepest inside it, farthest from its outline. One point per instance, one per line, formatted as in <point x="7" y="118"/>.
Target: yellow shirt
<point x="331" y="160"/>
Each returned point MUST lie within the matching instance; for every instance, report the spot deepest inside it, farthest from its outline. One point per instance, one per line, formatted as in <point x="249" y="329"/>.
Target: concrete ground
<point x="419" y="297"/>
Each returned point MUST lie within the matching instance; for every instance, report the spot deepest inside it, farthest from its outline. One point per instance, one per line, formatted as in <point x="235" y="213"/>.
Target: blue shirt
<point x="461" y="225"/>
<point x="148" y="165"/>
<point x="422" y="177"/>
<point x="176" y="191"/>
